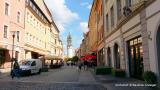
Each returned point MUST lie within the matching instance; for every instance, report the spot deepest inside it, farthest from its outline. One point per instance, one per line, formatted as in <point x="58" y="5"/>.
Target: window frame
<point x="107" y="22"/>
<point x="18" y="36"/>
<point x="6" y="31"/>
<point x="8" y="13"/>
<point x="19" y="15"/>
<point x="112" y="17"/>
<point x="119" y="9"/>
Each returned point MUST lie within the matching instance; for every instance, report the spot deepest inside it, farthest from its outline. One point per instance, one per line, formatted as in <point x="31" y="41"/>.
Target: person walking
<point x="85" y="65"/>
<point x="79" y="65"/>
<point x="16" y="70"/>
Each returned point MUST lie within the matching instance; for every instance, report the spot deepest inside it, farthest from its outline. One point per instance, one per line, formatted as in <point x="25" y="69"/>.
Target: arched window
<point x="109" y="57"/>
<point x="117" y="56"/>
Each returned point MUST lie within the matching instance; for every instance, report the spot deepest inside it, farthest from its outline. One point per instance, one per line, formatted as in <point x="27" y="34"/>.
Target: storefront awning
<point x="50" y="57"/>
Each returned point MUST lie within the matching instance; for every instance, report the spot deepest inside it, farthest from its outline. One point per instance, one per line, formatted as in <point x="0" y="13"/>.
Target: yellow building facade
<point x="40" y="31"/>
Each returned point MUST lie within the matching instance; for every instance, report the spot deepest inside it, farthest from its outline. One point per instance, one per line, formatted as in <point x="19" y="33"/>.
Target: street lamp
<point x="13" y="36"/>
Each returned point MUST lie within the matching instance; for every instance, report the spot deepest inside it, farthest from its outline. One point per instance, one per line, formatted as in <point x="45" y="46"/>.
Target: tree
<point x="66" y="59"/>
<point x="75" y="59"/>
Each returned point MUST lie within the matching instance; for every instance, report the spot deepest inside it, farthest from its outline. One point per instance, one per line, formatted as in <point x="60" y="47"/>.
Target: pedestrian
<point x="85" y="65"/>
<point x="16" y="70"/>
<point x="79" y="65"/>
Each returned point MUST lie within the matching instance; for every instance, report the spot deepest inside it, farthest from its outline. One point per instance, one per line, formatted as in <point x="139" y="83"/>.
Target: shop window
<point x="135" y="55"/>
<point x="117" y="56"/>
<point x="109" y="57"/>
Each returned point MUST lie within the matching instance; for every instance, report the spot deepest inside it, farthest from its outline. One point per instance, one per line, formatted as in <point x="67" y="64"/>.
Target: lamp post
<point x="13" y="36"/>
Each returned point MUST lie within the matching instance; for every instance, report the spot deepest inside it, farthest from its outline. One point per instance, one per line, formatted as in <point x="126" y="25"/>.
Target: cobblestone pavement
<point x="48" y="86"/>
<point x="65" y="78"/>
<point x="114" y="83"/>
<point x="64" y="74"/>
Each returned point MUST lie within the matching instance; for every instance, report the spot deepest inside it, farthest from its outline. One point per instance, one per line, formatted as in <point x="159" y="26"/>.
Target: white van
<point x="31" y="66"/>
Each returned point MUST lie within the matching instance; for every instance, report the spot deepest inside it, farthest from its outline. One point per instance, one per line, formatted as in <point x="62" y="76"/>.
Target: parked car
<point x="30" y="66"/>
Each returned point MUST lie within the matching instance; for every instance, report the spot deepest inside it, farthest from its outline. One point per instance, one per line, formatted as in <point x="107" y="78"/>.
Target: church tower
<point x="69" y="46"/>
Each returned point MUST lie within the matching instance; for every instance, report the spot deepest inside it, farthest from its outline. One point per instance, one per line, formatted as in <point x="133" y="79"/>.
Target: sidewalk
<point x="86" y="77"/>
<point x="115" y="83"/>
<point x="4" y="72"/>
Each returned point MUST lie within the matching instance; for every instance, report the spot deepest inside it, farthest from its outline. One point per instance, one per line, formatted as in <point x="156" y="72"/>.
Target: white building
<point x="69" y="46"/>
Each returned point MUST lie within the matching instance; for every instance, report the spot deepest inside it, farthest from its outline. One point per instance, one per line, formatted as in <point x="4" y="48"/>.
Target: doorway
<point x="117" y="56"/>
<point x="158" y="48"/>
<point x="109" y="57"/>
<point x="135" y="54"/>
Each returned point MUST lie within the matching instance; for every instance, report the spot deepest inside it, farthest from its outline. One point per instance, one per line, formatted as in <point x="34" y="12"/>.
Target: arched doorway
<point x="117" y="56"/>
<point x="158" y="48"/>
<point x="109" y="57"/>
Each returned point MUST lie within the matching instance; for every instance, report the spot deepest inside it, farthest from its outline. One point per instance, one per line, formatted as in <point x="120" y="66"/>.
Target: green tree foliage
<point x="75" y="59"/>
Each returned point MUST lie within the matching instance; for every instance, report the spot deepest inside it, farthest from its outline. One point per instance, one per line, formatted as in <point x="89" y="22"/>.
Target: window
<point x="101" y="10"/>
<point x="16" y="55"/>
<point x="5" y="31"/>
<point x="128" y="3"/>
<point x="18" y="16"/>
<point x="112" y="16"/>
<point x="18" y="36"/>
<point x="98" y="17"/>
<point x="109" y="57"/>
<point x="6" y="9"/>
<point x="55" y="41"/>
<point x="119" y="9"/>
<point x="33" y="63"/>
<point x="107" y="24"/>
<point x="55" y="51"/>
<point x="117" y="56"/>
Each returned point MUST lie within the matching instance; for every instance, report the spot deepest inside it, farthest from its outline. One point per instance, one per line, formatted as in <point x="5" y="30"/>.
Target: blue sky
<point x="71" y="16"/>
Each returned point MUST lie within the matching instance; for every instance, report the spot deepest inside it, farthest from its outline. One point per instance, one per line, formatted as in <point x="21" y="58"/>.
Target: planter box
<point x="118" y="72"/>
<point x="103" y="70"/>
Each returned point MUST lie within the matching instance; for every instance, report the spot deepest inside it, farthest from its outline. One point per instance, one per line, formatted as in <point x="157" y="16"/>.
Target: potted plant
<point x="150" y="77"/>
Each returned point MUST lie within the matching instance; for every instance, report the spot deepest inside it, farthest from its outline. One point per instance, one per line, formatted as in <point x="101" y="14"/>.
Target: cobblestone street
<point x="65" y="78"/>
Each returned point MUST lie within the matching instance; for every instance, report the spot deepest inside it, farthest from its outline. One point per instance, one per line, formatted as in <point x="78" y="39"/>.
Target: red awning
<point x="88" y="57"/>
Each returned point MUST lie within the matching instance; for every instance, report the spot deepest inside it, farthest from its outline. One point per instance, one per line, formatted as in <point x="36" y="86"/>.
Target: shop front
<point x="158" y="48"/>
<point x="135" y="55"/>
<point x="101" y="57"/>
<point x="4" y="57"/>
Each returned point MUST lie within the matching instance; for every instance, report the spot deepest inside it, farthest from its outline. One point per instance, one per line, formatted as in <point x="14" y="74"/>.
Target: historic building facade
<point x="131" y="35"/>
<point x="37" y="30"/>
<point x="11" y="28"/>
<point x="29" y="24"/>
<point x="127" y="37"/>
<point x="41" y="33"/>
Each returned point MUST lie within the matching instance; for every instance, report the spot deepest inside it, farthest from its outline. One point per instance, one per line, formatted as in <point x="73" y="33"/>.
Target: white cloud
<point x="84" y="26"/>
<point x="86" y="4"/>
<point x="61" y="13"/>
<point x="89" y="6"/>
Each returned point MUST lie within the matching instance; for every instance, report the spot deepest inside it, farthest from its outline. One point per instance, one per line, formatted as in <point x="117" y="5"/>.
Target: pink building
<point x="12" y="19"/>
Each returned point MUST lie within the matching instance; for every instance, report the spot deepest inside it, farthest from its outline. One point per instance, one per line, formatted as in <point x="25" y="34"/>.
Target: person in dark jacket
<point x="16" y="70"/>
<point x="85" y="65"/>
